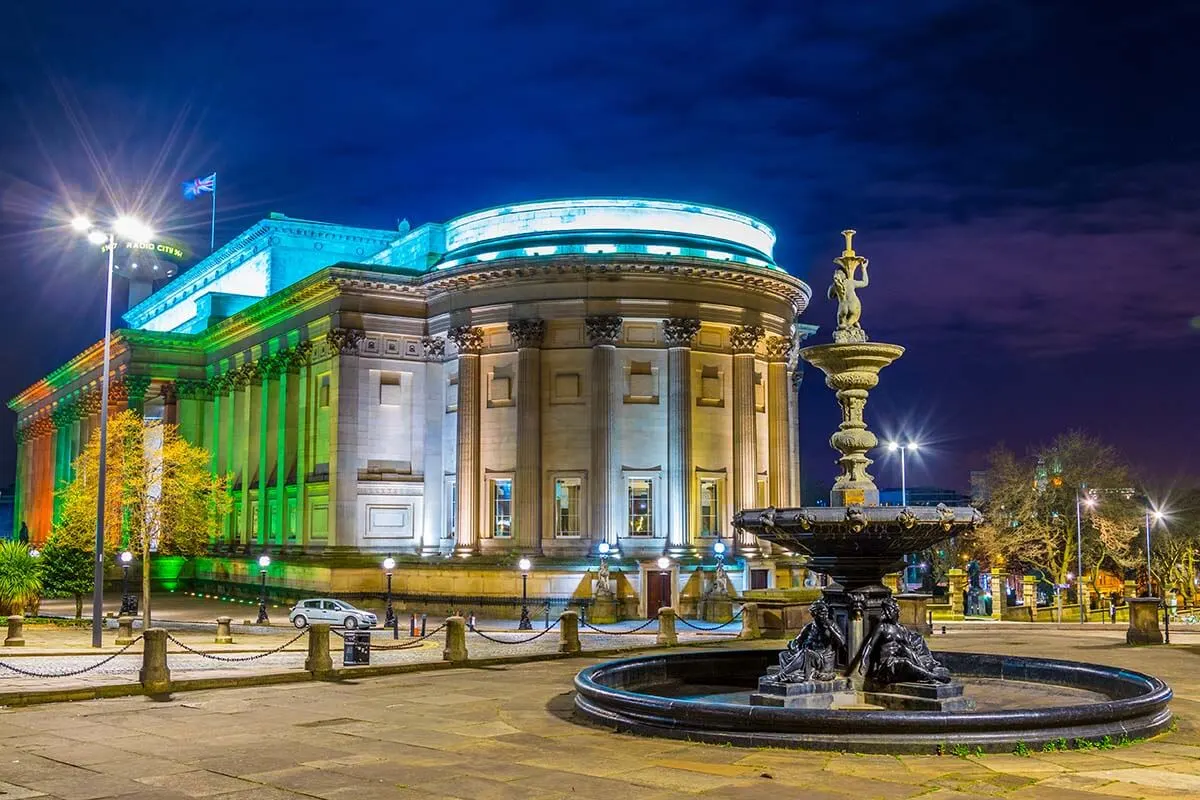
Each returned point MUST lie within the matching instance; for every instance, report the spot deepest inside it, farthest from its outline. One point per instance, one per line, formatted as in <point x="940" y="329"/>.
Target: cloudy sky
<point x="1024" y="174"/>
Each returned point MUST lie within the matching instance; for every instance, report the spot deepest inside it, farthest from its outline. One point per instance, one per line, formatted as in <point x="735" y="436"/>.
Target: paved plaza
<point x="510" y="732"/>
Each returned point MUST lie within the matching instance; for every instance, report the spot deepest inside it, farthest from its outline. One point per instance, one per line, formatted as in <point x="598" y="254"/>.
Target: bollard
<point x="568" y="632"/>
<point x="751" y="629"/>
<point x="224" y="635"/>
<point x="124" y="630"/>
<point x="424" y="618"/>
<point x="16" y="631"/>
<point x="154" y="675"/>
<point x="456" y="639"/>
<point x="666" y="627"/>
<point x="412" y="624"/>
<point x="318" y="661"/>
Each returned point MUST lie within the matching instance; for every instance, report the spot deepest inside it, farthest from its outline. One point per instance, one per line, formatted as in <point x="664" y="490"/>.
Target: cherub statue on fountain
<point x="845" y="288"/>
<point x="895" y="654"/>
<point x="812" y="655"/>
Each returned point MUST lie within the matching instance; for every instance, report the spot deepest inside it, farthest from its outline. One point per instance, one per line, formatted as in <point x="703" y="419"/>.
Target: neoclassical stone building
<point x="536" y="378"/>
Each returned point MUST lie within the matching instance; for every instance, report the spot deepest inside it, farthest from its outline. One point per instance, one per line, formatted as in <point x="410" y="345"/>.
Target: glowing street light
<point x="264" y="561"/>
<point x="136" y="231"/>
<point x="526" y="624"/>
<point x="389" y="564"/>
<point x="1155" y="516"/>
<point x="126" y="600"/>
<point x="902" y="448"/>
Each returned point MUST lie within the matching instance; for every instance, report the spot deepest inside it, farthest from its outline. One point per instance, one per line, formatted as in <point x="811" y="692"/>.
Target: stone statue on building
<point x="812" y="655"/>
<point x="720" y="584"/>
<point x="844" y="290"/>
<point x="603" y="581"/>
<point x="896" y="654"/>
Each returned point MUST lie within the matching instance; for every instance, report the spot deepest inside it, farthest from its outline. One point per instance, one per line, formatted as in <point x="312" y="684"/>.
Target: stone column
<point x="603" y="334"/>
<point x="470" y="343"/>
<point x="796" y="378"/>
<point x="61" y="417"/>
<point x="136" y="387"/>
<point x="302" y="411"/>
<point x="957" y="583"/>
<point x="343" y="440"/>
<point x="435" y="465"/>
<point x="270" y="368"/>
<point x="745" y="440"/>
<point x="19" y="481"/>
<point x="170" y="396"/>
<point x="679" y="332"/>
<point x="528" y="334"/>
<point x="244" y="379"/>
<point x="999" y="580"/>
<point x="779" y="449"/>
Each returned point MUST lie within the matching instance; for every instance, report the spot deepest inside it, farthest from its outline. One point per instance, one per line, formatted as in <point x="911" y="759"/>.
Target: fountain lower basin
<point x="1110" y="702"/>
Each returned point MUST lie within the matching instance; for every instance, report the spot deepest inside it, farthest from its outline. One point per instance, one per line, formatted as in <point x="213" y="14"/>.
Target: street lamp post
<point x="664" y="571"/>
<point x="126" y="558"/>
<point x="264" y="561"/>
<point x="1089" y="502"/>
<point x="389" y="564"/>
<point x="138" y="232"/>
<point x="526" y="624"/>
<point x="893" y="447"/>
<point x="1155" y="515"/>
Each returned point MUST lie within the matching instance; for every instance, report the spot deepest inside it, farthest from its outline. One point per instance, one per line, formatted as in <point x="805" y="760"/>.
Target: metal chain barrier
<point x="71" y="673"/>
<point x="473" y="629"/>
<point x="715" y="627"/>
<point x="639" y="628"/>
<point x="409" y="644"/>
<point x="236" y="659"/>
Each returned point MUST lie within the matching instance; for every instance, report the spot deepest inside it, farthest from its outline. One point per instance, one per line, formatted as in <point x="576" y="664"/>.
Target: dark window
<point x="759" y="578"/>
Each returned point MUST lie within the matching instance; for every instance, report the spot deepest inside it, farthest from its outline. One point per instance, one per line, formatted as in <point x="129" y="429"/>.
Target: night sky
<point x="1025" y="176"/>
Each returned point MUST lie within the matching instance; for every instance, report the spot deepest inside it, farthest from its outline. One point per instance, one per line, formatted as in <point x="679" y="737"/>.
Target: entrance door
<point x="658" y="591"/>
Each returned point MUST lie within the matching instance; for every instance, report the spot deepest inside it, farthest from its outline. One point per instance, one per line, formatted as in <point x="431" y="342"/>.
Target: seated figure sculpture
<point x="895" y="654"/>
<point x="812" y="655"/>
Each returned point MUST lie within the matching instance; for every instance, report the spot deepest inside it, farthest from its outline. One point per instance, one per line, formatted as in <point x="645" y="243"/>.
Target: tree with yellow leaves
<point x="160" y="495"/>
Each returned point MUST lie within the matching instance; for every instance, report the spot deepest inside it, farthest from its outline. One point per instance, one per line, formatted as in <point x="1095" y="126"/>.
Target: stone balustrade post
<point x="124" y="631"/>
<point x="666" y="628"/>
<point x="1029" y="595"/>
<point x="751" y="625"/>
<point x="318" y="661"/>
<point x="154" y="675"/>
<point x="568" y="632"/>
<point x="958" y="583"/>
<point x="224" y="634"/>
<point x="999" y="593"/>
<point x="456" y="640"/>
<point x="16" y="631"/>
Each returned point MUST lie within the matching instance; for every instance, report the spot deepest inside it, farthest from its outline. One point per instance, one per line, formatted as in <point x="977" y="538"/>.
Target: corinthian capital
<point x="745" y="340"/>
<point x="435" y="348"/>
<point x="603" y="330"/>
<point x="527" y="332"/>
<point x="778" y="348"/>
<point x="467" y="339"/>
<point x="344" y="340"/>
<point x="679" y="331"/>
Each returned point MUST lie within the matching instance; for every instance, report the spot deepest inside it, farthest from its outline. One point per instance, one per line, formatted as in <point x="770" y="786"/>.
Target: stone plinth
<point x="124" y="631"/>
<point x="919" y="697"/>
<point x="224" y="634"/>
<point x="318" y="661"/>
<point x="604" y="609"/>
<point x="892" y="582"/>
<point x="568" y="630"/>
<point x="666" y="628"/>
<point x="1143" y="621"/>
<point x="718" y="608"/>
<point x="813" y="694"/>
<point x="456" y="639"/>
<point x="999" y="593"/>
<point x="751" y="629"/>
<point x="1029" y="595"/>
<point x="914" y="612"/>
<point x="155" y="677"/>
<point x="16" y="631"/>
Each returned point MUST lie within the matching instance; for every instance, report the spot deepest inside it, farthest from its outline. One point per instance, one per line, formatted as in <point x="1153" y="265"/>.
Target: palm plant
<point x="20" y="578"/>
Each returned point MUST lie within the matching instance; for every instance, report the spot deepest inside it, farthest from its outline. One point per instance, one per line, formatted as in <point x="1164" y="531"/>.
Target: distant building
<point x="981" y="490"/>
<point x="923" y="496"/>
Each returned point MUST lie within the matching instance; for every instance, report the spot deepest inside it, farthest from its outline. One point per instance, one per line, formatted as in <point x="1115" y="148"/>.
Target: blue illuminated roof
<point x="603" y="225"/>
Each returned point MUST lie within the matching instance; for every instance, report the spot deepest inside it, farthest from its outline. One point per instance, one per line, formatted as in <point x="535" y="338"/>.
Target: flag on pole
<point x="198" y="186"/>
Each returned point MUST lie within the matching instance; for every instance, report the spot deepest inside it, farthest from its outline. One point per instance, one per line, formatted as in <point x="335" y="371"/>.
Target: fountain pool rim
<point x="609" y="693"/>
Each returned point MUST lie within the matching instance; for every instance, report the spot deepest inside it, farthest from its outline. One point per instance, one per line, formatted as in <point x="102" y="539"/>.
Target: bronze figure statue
<point x="812" y="655"/>
<point x="895" y="654"/>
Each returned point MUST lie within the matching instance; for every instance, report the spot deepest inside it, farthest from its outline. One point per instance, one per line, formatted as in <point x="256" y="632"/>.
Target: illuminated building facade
<point x="536" y="378"/>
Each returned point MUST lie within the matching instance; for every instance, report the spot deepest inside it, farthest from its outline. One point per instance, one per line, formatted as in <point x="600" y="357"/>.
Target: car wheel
<point x="300" y="621"/>
<point x="351" y="623"/>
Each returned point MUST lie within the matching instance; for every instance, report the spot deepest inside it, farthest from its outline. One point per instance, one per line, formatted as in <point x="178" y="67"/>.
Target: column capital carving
<point x="467" y="339"/>
<point x="190" y="389"/>
<point x="63" y="415"/>
<point x="90" y="403"/>
<point x="603" y="330"/>
<point x="344" y="341"/>
<point x="527" y="332"/>
<point x="136" y="386"/>
<point x="745" y="339"/>
<point x="434" y="346"/>
<point x="169" y="392"/>
<point x="220" y="384"/>
<point x="42" y="426"/>
<point x="679" y="331"/>
<point x="273" y="366"/>
<point x="778" y="348"/>
<point x="294" y="358"/>
<point x="118" y="391"/>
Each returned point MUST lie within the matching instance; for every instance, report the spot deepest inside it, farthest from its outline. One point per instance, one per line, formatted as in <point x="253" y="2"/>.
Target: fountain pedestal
<point x="919" y="697"/>
<point x="812" y="694"/>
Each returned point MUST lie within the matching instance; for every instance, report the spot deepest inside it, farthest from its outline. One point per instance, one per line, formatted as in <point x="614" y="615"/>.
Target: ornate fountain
<point x="855" y="678"/>
<point x="856" y="542"/>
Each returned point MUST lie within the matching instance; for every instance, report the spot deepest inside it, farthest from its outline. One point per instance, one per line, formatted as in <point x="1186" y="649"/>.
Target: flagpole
<point x="212" y="233"/>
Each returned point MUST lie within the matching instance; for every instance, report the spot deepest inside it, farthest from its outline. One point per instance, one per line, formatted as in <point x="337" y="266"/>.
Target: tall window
<point x="451" y="508"/>
<point x="566" y="506"/>
<point x="502" y="508"/>
<point x="710" y="507"/>
<point x="641" y="507"/>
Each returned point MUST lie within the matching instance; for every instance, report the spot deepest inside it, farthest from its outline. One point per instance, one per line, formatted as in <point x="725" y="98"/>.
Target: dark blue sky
<point x="1024" y="175"/>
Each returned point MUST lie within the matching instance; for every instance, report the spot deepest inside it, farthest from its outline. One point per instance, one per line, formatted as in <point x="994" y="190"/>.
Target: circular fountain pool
<point x="703" y="696"/>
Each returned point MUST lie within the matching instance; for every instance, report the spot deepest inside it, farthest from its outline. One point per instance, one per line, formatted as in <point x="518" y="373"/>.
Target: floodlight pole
<point x="98" y="577"/>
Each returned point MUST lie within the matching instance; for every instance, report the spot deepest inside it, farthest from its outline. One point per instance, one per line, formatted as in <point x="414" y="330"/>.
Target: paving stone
<point x="198" y="783"/>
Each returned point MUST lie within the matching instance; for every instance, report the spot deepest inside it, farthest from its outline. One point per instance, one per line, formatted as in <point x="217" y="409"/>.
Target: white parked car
<point x="335" y="612"/>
